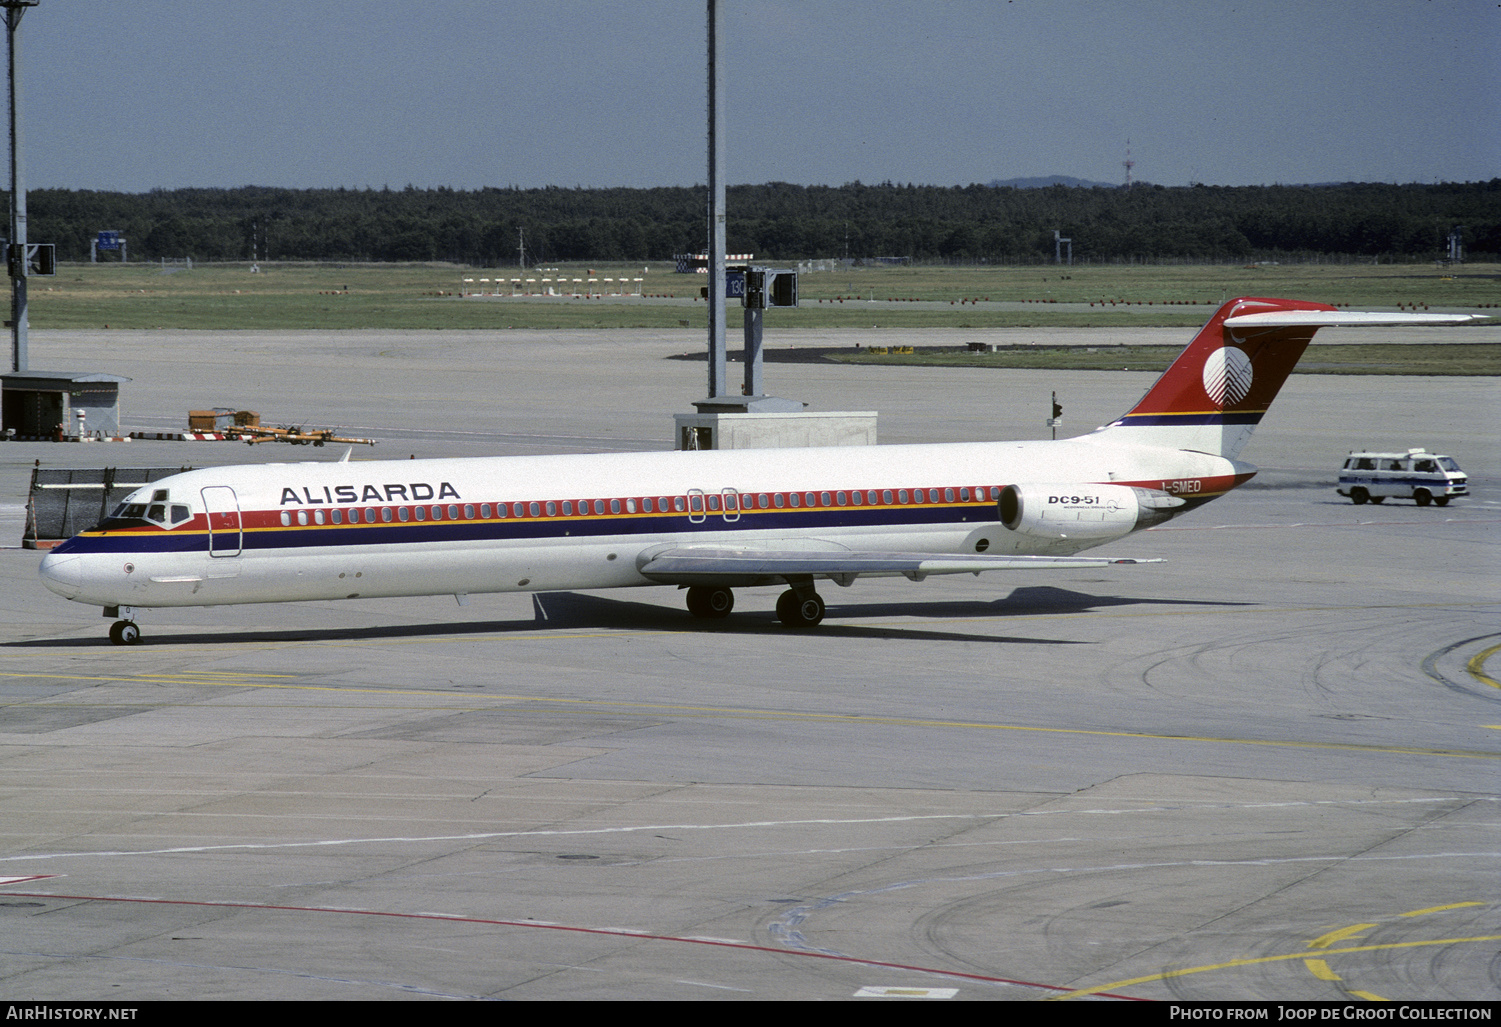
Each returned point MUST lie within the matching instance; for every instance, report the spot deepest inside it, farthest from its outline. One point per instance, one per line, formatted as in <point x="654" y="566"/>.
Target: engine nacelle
<point x="1094" y="513"/>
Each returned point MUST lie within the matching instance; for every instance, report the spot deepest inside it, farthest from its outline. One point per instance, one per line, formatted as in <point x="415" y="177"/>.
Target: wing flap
<point x="745" y="567"/>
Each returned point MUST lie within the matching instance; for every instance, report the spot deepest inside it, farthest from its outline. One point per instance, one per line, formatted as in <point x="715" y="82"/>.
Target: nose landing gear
<point x="124" y="632"/>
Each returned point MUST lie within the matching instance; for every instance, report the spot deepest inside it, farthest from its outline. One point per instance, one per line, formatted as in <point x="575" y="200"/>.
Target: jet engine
<point x="1093" y="513"/>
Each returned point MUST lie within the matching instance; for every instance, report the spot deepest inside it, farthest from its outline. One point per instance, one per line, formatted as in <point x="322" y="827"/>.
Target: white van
<point x="1416" y="474"/>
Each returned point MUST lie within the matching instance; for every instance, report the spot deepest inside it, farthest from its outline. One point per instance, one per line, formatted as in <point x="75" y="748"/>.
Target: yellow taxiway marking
<point x="1320" y="969"/>
<point x="1477" y="663"/>
<point x="469" y="701"/>
<point x="1262" y="960"/>
<point x="1440" y="909"/>
<point x="1323" y="941"/>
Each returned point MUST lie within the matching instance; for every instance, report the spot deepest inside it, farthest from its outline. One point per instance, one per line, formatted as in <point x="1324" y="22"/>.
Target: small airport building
<point x="60" y="404"/>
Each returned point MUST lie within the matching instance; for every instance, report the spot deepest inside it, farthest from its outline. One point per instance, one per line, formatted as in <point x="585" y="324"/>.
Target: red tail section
<point x="1214" y="394"/>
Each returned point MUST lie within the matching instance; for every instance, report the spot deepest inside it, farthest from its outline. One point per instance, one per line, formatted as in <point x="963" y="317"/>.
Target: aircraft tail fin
<point x="1213" y="396"/>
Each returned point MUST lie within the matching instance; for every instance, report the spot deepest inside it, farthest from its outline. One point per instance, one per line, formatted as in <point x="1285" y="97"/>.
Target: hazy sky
<point x="466" y="93"/>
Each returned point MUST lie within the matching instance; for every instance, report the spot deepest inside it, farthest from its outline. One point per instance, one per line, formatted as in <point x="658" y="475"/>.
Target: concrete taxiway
<point x="1265" y="769"/>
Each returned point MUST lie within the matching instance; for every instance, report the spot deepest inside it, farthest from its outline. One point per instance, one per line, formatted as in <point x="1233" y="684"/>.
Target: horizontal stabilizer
<point x="693" y="566"/>
<point x="1342" y="319"/>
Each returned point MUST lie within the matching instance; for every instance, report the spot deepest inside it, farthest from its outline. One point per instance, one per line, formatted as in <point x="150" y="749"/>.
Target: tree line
<point x="780" y="222"/>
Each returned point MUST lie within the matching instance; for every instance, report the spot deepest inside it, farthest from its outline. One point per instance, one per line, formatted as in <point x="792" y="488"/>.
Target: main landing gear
<point x="797" y="607"/>
<point x="800" y="611"/>
<point x="710" y="601"/>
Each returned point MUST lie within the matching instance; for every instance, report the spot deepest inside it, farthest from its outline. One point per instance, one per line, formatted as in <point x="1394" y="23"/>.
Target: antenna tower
<point x="1129" y="163"/>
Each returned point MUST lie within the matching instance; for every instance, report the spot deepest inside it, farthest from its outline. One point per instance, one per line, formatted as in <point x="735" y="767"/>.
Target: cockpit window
<point x="159" y="513"/>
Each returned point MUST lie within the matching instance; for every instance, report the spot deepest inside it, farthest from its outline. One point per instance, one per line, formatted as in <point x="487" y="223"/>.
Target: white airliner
<point x="708" y="521"/>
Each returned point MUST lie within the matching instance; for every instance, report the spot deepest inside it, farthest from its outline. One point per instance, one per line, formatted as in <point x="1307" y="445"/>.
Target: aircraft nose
<point x="62" y="574"/>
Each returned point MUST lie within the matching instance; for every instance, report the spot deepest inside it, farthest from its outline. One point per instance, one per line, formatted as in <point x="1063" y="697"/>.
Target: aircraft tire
<point x="710" y="601"/>
<point x="800" y="613"/>
<point x="1423" y="496"/>
<point x="1359" y="496"/>
<point x="124" y="632"/>
<point x="1377" y="499"/>
<point x="1441" y="500"/>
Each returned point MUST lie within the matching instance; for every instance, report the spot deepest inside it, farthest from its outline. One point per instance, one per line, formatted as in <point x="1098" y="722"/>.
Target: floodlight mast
<point x="718" y="360"/>
<point x="18" y="361"/>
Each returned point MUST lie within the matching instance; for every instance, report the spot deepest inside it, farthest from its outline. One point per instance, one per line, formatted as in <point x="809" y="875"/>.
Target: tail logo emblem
<point x="1227" y="375"/>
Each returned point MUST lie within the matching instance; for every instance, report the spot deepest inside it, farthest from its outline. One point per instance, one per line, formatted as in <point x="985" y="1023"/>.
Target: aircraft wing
<point x="745" y="567"/>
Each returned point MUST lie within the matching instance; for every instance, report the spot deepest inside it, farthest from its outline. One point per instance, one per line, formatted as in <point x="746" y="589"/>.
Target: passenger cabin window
<point x="1426" y="466"/>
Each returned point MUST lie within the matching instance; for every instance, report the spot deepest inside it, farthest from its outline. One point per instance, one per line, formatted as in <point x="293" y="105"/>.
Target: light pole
<point x="13" y="11"/>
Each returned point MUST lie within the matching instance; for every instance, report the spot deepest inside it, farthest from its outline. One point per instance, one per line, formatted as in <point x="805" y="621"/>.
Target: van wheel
<point x="1441" y="500"/>
<point x="1423" y="496"/>
<point x="1358" y="496"/>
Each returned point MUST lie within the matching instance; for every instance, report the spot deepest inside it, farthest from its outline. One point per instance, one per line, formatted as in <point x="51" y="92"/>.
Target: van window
<point x="1365" y="463"/>
<point x="1426" y="466"/>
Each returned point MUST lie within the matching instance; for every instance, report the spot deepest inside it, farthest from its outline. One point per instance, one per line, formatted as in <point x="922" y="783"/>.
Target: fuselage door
<point x="731" y="508"/>
<point x="696" y="506"/>
<point x="223" y="509"/>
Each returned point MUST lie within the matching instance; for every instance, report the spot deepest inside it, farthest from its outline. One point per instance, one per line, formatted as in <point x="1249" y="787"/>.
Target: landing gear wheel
<point x="1441" y="500"/>
<point x="800" y="612"/>
<point x="1377" y="499"/>
<point x="1359" y="496"/>
<point x="1423" y="496"/>
<point x="124" y="632"/>
<point x="710" y="601"/>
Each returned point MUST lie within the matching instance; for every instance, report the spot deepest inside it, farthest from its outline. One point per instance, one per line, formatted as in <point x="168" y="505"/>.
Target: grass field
<point x="314" y="296"/>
